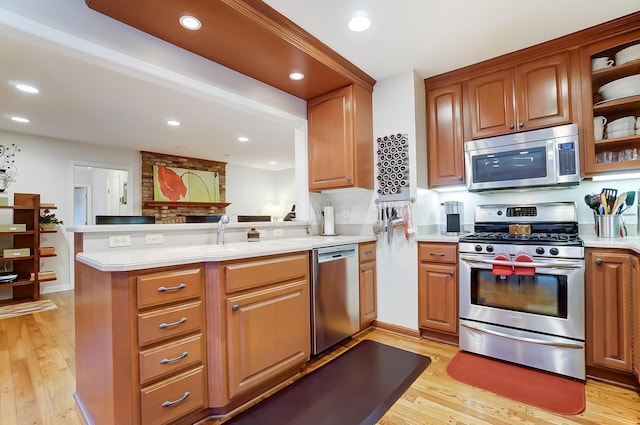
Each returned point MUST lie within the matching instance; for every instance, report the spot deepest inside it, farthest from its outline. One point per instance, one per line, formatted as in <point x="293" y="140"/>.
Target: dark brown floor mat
<point x="357" y="387"/>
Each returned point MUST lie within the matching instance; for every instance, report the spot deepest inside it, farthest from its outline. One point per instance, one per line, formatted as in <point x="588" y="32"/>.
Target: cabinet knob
<point x="521" y="124"/>
<point x="451" y="273"/>
<point x="348" y="178"/>
<point x="598" y="261"/>
<point x="363" y="270"/>
<point x="459" y="178"/>
<point x="235" y="307"/>
<point x="511" y="126"/>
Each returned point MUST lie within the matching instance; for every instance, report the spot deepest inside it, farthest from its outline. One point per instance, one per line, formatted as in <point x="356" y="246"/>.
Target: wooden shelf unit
<point x="26" y="210"/>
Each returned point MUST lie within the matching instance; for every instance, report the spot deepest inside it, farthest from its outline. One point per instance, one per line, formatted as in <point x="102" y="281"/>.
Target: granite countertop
<point x="123" y="259"/>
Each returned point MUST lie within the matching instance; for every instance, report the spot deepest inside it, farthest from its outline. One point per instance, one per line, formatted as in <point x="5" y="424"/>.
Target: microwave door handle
<point x="576" y="265"/>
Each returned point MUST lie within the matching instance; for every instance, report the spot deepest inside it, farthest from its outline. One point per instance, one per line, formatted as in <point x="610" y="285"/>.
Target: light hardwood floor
<point x="37" y="380"/>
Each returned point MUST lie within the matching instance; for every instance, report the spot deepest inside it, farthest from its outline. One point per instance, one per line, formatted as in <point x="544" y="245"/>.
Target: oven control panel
<point x="548" y="251"/>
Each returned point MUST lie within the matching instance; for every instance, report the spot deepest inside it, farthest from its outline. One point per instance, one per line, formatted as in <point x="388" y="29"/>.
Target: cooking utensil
<point x="603" y="203"/>
<point x="631" y="197"/>
<point x="377" y="226"/>
<point x="619" y="202"/>
<point x="592" y="200"/>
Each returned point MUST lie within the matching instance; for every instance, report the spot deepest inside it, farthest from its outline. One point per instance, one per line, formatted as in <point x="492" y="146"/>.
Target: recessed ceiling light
<point x="26" y="88"/>
<point x="296" y="76"/>
<point x="273" y="162"/>
<point x="20" y="119"/>
<point x="359" y="23"/>
<point x="243" y="139"/>
<point x="190" y="22"/>
<point x="173" y="123"/>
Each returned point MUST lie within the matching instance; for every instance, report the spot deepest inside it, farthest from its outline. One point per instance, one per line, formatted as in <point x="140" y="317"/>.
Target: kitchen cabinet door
<point x="438" y="297"/>
<point x="635" y="276"/>
<point x="608" y="301"/>
<point x="491" y="104"/>
<point x="445" y="139"/>
<point x="267" y="334"/>
<point x="368" y="291"/>
<point x="533" y="95"/>
<point x="341" y="139"/>
<point x="542" y="92"/>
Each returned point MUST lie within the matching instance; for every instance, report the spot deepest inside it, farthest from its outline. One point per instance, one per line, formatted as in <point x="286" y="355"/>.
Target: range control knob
<point x="554" y="251"/>
<point x="478" y="248"/>
<point x="539" y="250"/>
<point x="489" y="248"/>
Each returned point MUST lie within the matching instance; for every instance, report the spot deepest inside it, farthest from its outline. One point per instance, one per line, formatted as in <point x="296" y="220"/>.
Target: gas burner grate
<point x="533" y="237"/>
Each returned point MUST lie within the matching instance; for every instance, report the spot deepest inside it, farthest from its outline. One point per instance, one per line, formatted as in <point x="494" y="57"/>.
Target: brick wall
<point x="175" y="213"/>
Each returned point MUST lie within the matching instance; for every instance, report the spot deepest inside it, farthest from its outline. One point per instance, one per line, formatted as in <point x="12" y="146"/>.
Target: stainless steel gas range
<point x="522" y="287"/>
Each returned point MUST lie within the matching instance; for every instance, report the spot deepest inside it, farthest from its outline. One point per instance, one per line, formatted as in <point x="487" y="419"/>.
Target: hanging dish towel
<point x="524" y="257"/>
<point x="501" y="269"/>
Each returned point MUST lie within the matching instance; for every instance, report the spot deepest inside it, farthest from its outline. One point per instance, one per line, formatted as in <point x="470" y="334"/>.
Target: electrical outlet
<point x="278" y="232"/>
<point x="153" y="238"/>
<point x="347" y="215"/>
<point x="119" y="240"/>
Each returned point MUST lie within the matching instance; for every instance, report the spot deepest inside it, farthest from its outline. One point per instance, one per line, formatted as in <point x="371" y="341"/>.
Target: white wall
<point x="46" y="166"/>
<point x="253" y="191"/>
<point x="394" y="111"/>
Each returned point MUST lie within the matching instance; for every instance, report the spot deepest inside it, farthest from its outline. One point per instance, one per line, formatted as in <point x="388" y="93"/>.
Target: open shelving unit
<point x="26" y="210"/>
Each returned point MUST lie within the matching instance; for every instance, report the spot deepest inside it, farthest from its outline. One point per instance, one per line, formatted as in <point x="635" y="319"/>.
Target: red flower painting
<point x="171" y="184"/>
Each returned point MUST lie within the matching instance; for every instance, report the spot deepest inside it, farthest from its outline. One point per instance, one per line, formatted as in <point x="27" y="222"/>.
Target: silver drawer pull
<point x="175" y="359"/>
<point x="437" y="254"/>
<point x="168" y="325"/>
<point x="172" y="288"/>
<point x="180" y="400"/>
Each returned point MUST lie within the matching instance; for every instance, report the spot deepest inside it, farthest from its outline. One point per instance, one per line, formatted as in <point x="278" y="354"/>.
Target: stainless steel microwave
<point x="538" y="158"/>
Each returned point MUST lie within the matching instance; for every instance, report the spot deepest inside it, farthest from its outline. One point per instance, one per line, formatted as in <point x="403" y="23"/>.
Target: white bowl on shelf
<point x="620" y="133"/>
<point x="624" y="123"/>
<point x="629" y="54"/>
<point x="623" y="87"/>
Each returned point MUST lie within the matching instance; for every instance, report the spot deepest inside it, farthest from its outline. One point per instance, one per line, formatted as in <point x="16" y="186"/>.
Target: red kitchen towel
<point x="524" y="257"/>
<point x="499" y="269"/>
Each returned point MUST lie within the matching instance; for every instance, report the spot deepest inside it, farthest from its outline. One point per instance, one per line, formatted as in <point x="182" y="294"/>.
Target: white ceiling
<point x="105" y="83"/>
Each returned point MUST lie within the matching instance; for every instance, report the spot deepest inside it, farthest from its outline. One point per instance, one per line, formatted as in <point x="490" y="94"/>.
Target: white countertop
<point x="124" y="259"/>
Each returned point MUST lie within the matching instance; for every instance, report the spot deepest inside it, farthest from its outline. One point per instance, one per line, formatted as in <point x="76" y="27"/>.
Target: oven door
<point x="549" y="300"/>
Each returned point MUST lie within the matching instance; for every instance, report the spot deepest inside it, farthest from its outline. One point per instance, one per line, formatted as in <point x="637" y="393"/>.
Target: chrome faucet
<point x="220" y="236"/>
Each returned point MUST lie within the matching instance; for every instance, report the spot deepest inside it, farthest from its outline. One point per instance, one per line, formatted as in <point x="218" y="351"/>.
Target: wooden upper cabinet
<point x="341" y="139"/>
<point x="533" y="95"/>
<point x="445" y="140"/>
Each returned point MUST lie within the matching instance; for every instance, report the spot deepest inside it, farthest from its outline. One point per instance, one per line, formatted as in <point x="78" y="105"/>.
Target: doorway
<point x="99" y="190"/>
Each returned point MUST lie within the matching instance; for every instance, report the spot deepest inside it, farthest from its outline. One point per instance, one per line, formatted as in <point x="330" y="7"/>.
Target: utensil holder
<point x="608" y="226"/>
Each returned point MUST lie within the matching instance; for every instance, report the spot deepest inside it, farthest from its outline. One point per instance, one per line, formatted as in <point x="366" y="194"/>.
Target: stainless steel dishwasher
<point x="335" y="296"/>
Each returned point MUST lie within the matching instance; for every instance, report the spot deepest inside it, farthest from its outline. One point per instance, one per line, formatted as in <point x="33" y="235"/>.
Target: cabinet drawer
<point x="367" y="251"/>
<point x="438" y="253"/>
<point x="158" y="325"/>
<point x="169" y="358"/>
<point x="253" y="274"/>
<point x="167" y="287"/>
<point x="170" y="399"/>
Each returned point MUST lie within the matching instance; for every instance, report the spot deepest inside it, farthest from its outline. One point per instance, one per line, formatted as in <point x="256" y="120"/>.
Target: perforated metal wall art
<point x="393" y="167"/>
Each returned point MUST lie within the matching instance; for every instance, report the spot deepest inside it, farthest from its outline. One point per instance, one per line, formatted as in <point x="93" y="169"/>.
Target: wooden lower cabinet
<point x="259" y="310"/>
<point x="608" y="297"/>
<point x="438" y="291"/>
<point x="368" y="291"/>
<point x="140" y="345"/>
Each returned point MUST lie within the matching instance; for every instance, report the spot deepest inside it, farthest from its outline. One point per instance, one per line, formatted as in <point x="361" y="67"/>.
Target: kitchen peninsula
<point x="183" y="330"/>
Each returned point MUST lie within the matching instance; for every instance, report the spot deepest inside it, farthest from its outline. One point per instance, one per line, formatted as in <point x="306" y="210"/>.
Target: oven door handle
<point x="532" y="340"/>
<point x="551" y="264"/>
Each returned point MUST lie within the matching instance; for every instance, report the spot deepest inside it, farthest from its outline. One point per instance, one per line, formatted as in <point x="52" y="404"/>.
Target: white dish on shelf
<point x="620" y="133"/>
<point x="624" y="123"/>
<point x="629" y="54"/>
<point x="620" y="88"/>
